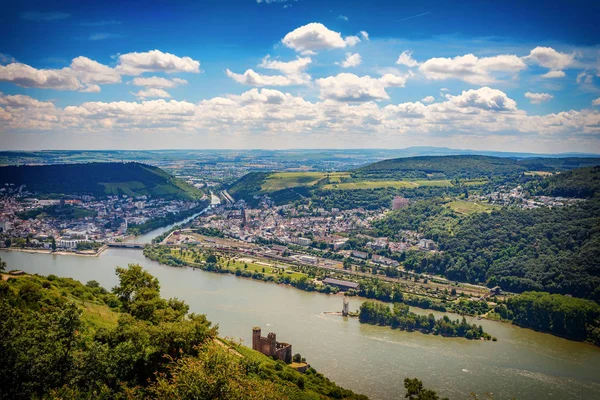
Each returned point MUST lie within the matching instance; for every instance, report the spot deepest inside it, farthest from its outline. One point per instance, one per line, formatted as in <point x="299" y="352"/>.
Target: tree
<point x="53" y="244"/>
<point x="416" y="391"/>
<point x="2" y="265"/>
<point x="132" y="281"/>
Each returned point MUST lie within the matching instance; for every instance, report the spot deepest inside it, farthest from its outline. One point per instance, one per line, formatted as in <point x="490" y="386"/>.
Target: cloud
<point x="484" y="98"/>
<point x="25" y="76"/>
<point x="406" y="59"/>
<point x="6" y="59"/>
<point x="158" y="82"/>
<point x="342" y="17"/>
<point x="82" y="72"/>
<point x="364" y="34"/>
<point x="153" y="92"/>
<point x="538" y="98"/>
<point x="549" y="58"/>
<point x="289" y="68"/>
<point x="482" y="113"/>
<point x="155" y="61"/>
<point x="90" y="71"/>
<point x="314" y="37"/>
<point x="428" y="99"/>
<point x="347" y="87"/>
<point x="596" y="102"/>
<point x="584" y="78"/>
<point x="45" y="16"/>
<point x="272" y="1"/>
<point x="252" y="78"/>
<point x="553" y="74"/>
<point x="352" y="60"/>
<point x="471" y="69"/>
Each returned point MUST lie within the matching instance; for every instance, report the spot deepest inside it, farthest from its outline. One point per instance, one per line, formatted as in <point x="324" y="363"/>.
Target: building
<point x="269" y="346"/>
<point x="427" y="244"/>
<point x="399" y="202"/>
<point x="359" y="254"/>
<point x="343" y="285"/>
<point x="302" y="241"/>
<point x="384" y="260"/>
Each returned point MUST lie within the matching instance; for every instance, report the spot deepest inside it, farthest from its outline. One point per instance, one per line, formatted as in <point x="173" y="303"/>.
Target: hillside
<point x="374" y="185"/>
<point x="99" y="180"/>
<point x="466" y="167"/>
<point x="63" y="339"/>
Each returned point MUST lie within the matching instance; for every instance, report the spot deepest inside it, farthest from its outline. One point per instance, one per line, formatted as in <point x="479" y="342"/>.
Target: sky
<point x="278" y="74"/>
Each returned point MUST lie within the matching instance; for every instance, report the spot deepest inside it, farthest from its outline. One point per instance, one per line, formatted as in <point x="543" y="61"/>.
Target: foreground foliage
<point x="61" y="339"/>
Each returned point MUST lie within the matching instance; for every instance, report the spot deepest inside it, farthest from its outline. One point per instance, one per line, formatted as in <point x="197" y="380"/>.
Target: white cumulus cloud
<point x="428" y="99"/>
<point x="538" y="98"/>
<point x="314" y="37"/>
<point x="471" y="68"/>
<point x="352" y="60"/>
<point x="554" y="74"/>
<point x="252" y="78"/>
<point x="153" y="92"/>
<point x="549" y="58"/>
<point x="347" y="87"/>
<point x="155" y="61"/>
<point x="406" y="59"/>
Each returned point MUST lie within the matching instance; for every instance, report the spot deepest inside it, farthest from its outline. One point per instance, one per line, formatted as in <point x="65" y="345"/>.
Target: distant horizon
<point x="448" y="150"/>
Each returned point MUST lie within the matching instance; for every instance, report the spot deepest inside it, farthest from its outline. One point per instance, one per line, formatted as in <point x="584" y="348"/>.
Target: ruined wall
<point x="270" y="347"/>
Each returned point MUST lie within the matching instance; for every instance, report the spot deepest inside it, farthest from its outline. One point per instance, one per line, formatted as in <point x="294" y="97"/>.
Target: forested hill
<point x="466" y="167"/>
<point x="98" y="179"/>
<point x="581" y="183"/>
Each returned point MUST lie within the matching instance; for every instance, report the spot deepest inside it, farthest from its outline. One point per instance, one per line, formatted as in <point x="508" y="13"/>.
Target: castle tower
<point x="256" y="338"/>
<point x="346" y="307"/>
<point x="272" y="338"/>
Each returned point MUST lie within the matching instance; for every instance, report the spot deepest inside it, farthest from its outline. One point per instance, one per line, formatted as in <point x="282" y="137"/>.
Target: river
<point x="368" y="359"/>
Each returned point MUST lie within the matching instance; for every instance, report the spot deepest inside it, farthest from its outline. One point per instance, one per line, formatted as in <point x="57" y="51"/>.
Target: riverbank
<point x="84" y="253"/>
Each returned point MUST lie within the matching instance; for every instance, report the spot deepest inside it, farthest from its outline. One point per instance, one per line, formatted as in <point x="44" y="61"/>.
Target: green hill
<point x="466" y="167"/>
<point x="63" y="339"/>
<point x="374" y="185"/>
<point x="99" y="180"/>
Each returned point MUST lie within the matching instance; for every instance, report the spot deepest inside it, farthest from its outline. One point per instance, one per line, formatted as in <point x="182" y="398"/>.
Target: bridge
<point x="124" y="245"/>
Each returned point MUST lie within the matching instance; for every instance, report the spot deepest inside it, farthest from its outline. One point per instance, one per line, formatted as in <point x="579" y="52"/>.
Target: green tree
<point x="416" y="391"/>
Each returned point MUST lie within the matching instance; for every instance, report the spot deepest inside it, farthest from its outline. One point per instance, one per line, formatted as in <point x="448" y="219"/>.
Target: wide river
<point x="373" y="360"/>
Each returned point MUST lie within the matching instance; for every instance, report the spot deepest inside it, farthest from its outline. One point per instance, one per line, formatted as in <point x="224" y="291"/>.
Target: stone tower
<point x="256" y="338"/>
<point x="346" y="307"/>
<point x="272" y="340"/>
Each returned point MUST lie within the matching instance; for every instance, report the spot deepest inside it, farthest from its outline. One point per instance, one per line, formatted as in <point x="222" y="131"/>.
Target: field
<point x="388" y="184"/>
<point x="286" y="180"/>
<point x="538" y="173"/>
<point x="232" y="264"/>
<point x="469" y="207"/>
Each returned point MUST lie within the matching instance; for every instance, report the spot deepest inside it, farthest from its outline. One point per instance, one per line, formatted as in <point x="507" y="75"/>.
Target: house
<point x="427" y="244"/>
<point x="359" y="254"/>
<point x="385" y="261"/>
<point x="343" y="285"/>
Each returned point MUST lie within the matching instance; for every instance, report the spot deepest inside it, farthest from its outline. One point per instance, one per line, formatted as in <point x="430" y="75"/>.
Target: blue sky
<point x="509" y="75"/>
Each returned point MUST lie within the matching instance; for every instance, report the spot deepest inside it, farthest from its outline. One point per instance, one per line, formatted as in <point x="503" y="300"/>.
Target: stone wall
<point x="269" y="346"/>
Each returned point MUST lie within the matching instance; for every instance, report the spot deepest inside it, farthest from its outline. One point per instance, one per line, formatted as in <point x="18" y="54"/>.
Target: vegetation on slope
<point x="61" y="339"/>
<point x="555" y="250"/>
<point x="99" y="180"/>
